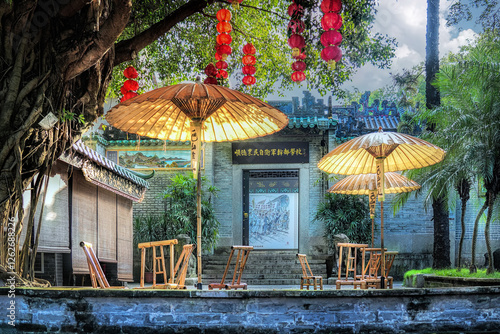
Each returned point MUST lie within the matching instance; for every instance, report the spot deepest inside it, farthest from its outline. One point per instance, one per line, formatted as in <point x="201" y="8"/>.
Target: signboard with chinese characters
<point x="270" y="152"/>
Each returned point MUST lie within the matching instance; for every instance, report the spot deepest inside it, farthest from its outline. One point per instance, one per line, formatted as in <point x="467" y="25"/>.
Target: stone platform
<point x="401" y="310"/>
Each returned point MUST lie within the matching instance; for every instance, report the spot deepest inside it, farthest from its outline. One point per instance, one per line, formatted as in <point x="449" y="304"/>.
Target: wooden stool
<point x="241" y="260"/>
<point x="158" y="261"/>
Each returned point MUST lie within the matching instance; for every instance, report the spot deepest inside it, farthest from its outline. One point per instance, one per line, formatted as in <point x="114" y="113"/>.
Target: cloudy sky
<point x="406" y="21"/>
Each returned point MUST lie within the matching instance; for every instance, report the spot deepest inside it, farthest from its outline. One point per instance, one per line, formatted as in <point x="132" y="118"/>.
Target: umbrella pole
<point x="382" y="252"/>
<point x="198" y="228"/>
<point x="195" y="163"/>
<point x="373" y="231"/>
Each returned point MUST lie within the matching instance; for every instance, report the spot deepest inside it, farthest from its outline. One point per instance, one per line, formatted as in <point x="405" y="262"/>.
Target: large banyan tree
<point x="57" y="59"/>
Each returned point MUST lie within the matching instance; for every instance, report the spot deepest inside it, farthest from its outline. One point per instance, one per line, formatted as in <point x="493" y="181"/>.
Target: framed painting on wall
<point x="153" y="158"/>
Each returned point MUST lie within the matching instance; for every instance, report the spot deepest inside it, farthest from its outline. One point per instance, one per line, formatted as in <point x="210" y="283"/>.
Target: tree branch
<point x="106" y="37"/>
<point x="73" y="7"/>
<point x="128" y="49"/>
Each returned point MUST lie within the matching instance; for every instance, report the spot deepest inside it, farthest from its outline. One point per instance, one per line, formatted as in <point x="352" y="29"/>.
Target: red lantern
<point x="331" y="21"/>
<point x="224" y="38"/>
<point x="131" y="85"/>
<point x="224" y="15"/>
<point x="295" y="10"/>
<point x="224" y="50"/>
<point x="331" y="37"/>
<point x="221" y="65"/>
<point x="249" y="49"/>
<point x="129" y="95"/>
<point x="299" y="66"/>
<point x="224" y="27"/>
<point x="249" y="80"/>
<point x="296" y="41"/>
<point x="301" y="56"/>
<point x="222" y="74"/>
<point x="130" y="73"/>
<point x="296" y="26"/>
<point x="298" y="76"/>
<point x="210" y="70"/>
<point x="218" y="56"/>
<point x="331" y="6"/>
<point x="248" y="60"/>
<point x="248" y="70"/>
<point x="331" y="53"/>
<point x="210" y="81"/>
<point x="123" y="90"/>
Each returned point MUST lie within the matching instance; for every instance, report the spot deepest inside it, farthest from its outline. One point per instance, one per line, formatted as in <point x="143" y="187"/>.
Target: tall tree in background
<point x="441" y="251"/>
<point x="58" y="57"/>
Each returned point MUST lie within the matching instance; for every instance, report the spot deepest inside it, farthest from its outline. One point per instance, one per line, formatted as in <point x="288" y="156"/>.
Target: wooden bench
<point x="350" y="277"/>
<point x="308" y="279"/>
<point x="241" y="260"/>
<point x="97" y="276"/>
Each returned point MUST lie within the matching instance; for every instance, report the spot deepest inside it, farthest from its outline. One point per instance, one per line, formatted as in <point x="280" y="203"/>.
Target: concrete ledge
<point x="253" y="311"/>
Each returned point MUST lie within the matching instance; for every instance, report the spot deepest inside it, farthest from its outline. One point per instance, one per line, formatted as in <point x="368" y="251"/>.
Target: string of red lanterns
<point x="224" y="38"/>
<point x="248" y="61"/>
<point x="331" y="38"/>
<point x="130" y="86"/>
<point x="296" y="41"/>
<point x="211" y="72"/>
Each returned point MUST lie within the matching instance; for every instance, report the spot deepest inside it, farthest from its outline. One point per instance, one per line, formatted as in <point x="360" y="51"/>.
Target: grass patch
<point x="481" y="273"/>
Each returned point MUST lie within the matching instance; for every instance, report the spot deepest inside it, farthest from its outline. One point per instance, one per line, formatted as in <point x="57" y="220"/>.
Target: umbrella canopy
<point x="364" y="183"/>
<point x="399" y="151"/>
<point x="227" y="115"/>
<point x="199" y="113"/>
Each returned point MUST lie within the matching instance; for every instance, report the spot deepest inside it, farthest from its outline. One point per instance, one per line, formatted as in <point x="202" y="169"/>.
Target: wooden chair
<point x="389" y="260"/>
<point x="183" y="263"/>
<point x="308" y="279"/>
<point x="350" y="277"/>
<point x="96" y="274"/>
<point x="373" y="277"/>
<point x="241" y="260"/>
<point x="158" y="261"/>
<point x="371" y="270"/>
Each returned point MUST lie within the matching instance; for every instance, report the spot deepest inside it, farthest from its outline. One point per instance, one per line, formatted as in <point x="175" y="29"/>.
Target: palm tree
<point x="441" y="253"/>
<point x="470" y="88"/>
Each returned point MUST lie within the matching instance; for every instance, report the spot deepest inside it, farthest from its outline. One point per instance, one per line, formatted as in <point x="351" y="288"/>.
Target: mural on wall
<point x="273" y="213"/>
<point x="153" y="159"/>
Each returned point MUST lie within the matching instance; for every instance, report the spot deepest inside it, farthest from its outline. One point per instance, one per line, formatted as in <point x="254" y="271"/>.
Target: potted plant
<point x="146" y="230"/>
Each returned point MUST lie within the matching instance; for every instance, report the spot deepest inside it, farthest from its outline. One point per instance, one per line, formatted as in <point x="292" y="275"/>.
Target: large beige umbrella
<point x="366" y="184"/>
<point x="380" y="152"/>
<point x="199" y="113"/>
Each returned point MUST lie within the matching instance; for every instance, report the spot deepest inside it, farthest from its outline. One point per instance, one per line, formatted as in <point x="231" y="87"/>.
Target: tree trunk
<point x="491" y="201"/>
<point x="50" y="66"/>
<point x="473" y="267"/>
<point x="441" y="254"/>
<point x="463" y="189"/>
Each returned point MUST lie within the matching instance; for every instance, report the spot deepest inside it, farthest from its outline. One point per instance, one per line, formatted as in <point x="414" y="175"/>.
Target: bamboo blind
<point x="54" y="234"/>
<point x="124" y="231"/>
<point x="106" y="225"/>
<point x="84" y="218"/>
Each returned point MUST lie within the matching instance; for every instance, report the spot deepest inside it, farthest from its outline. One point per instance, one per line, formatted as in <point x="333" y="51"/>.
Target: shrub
<point x="345" y="214"/>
